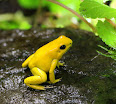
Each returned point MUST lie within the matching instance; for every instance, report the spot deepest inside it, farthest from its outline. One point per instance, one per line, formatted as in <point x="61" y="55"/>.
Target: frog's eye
<point x="63" y="47"/>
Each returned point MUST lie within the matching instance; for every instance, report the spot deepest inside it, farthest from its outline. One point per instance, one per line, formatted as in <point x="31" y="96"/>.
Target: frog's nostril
<point x="70" y="44"/>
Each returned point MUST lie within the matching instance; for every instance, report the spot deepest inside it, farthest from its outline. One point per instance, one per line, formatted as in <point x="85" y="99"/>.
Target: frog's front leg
<point x="51" y="72"/>
<point x="38" y="78"/>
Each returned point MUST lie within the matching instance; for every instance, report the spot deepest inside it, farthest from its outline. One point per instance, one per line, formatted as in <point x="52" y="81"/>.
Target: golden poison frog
<point x="44" y="60"/>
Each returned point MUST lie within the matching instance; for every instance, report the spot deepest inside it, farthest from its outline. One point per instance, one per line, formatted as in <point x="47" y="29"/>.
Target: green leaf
<point x="100" y="1"/>
<point x="94" y="9"/>
<point x="73" y="4"/>
<point x="33" y="4"/>
<point x="107" y="33"/>
<point x="14" y="21"/>
<point x="29" y="4"/>
<point x="7" y="25"/>
<point x="24" y="25"/>
<point x="106" y="75"/>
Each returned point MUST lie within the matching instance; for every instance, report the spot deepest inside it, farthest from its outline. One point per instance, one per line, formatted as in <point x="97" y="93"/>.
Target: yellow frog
<point x="44" y="60"/>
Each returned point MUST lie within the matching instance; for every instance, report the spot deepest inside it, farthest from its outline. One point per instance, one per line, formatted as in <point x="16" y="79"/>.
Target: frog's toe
<point x="57" y="80"/>
<point x="48" y="87"/>
<point x="37" y="87"/>
<point x="61" y="63"/>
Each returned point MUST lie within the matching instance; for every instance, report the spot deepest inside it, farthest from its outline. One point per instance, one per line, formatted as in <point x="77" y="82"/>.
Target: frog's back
<point x="33" y="58"/>
<point x="26" y="62"/>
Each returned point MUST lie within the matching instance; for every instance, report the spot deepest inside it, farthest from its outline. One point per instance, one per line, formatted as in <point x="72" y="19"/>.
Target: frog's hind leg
<point x="38" y="78"/>
<point x="25" y="63"/>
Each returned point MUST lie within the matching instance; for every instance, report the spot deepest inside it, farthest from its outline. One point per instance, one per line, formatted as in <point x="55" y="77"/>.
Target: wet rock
<point x="84" y="80"/>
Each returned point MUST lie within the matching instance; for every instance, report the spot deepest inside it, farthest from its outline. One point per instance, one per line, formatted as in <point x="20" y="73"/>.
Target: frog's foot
<point x="38" y="87"/>
<point x="57" y="80"/>
<point x="48" y="87"/>
<point x="60" y="64"/>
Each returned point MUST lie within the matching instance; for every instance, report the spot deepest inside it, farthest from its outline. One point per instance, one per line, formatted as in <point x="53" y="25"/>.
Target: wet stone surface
<point x="84" y="81"/>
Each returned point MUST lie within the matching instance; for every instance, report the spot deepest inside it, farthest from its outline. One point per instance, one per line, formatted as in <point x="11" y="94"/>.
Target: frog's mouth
<point x="69" y="46"/>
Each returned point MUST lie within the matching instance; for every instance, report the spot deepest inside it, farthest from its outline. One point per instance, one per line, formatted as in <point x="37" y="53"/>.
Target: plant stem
<point x="75" y="13"/>
<point x="37" y="15"/>
<point x="111" y="22"/>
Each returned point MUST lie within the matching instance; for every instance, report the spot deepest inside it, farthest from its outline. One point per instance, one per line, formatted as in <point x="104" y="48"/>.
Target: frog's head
<point x="63" y="43"/>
